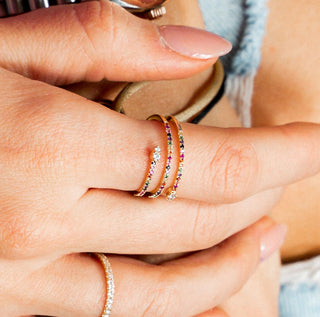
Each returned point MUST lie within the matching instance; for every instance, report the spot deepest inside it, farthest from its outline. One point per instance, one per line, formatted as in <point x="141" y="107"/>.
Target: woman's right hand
<point x="67" y="164"/>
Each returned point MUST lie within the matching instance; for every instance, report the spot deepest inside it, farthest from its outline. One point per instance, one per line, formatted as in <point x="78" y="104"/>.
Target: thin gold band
<point x="171" y="192"/>
<point x="110" y="283"/>
<point x="155" y="157"/>
<point x="165" y="175"/>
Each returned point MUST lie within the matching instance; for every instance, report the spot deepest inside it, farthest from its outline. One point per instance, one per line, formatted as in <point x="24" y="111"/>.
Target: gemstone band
<point x="110" y="284"/>
<point x="155" y="156"/>
<point x="171" y="192"/>
<point x="169" y="152"/>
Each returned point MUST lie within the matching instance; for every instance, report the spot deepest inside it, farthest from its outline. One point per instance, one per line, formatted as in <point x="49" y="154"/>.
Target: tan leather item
<point x="207" y="94"/>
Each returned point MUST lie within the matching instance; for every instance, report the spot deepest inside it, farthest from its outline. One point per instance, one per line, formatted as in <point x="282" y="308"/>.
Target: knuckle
<point x="162" y="297"/>
<point x="204" y="233"/>
<point x="49" y="145"/>
<point x="43" y="145"/>
<point x="17" y="237"/>
<point x="96" y="19"/>
<point x="245" y="262"/>
<point x="233" y="170"/>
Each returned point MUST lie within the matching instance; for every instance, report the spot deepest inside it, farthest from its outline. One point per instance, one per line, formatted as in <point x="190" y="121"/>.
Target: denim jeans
<point x="300" y="289"/>
<point x="300" y="301"/>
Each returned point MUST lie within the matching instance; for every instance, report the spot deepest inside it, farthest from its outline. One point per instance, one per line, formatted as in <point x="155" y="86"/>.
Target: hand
<point x="61" y="193"/>
<point x="67" y="164"/>
<point x="74" y="285"/>
<point x="74" y="160"/>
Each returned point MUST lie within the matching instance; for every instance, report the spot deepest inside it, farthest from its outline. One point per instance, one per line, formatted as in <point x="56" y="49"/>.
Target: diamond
<point x="171" y="195"/>
<point x="156" y="154"/>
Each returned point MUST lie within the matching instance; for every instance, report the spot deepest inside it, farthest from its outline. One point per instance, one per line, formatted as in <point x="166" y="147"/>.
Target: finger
<point x="75" y="286"/>
<point x="101" y="219"/>
<point x="98" y="148"/>
<point x="155" y="227"/>
<point x="95" y="40"/>
<point x="221" y="165"/>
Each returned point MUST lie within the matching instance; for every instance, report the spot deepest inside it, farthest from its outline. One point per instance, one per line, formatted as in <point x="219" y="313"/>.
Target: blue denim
<point x="243" y="23"/>
<point x="300" y="301"/>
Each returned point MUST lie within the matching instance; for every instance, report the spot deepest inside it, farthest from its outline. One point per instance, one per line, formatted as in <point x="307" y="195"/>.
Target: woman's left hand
<point x="74" y="285"/>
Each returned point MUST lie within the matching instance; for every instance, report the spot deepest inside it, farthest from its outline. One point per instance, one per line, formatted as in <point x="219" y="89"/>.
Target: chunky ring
<point x="110" y="283"/>
<point x="167" y="169"/>
<point x="171" y="192"/>
<point x="155" y="156"/>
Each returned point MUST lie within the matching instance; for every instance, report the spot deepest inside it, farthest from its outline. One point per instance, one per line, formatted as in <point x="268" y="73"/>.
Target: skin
<point x="88" y="184"/>
<point x="287" y="92"/>
<point x="264" y="282"/>
<point x="31" y="260"/>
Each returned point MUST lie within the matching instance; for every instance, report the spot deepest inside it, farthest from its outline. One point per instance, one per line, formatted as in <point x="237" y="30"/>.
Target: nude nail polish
<point x="193" y="42"/>
<point x="272" y="240"/>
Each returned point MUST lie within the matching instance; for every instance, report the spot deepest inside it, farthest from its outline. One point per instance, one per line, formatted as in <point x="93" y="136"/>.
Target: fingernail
<point x="272" y="240"/>
<point x="192" y="42"/>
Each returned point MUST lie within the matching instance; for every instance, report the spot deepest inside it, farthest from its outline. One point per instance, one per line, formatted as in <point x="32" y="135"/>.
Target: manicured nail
<point x="272" y="240"/>
<point x="192" y="42"/>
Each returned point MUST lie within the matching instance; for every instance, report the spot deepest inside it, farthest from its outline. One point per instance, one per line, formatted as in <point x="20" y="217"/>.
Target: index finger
<point x="95" y="147"/>
<point x="221" y="165"/>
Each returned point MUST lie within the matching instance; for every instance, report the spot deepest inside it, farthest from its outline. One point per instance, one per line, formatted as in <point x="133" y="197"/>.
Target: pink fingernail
<point x="193" y="42"/>
<point x="272" y="240"/>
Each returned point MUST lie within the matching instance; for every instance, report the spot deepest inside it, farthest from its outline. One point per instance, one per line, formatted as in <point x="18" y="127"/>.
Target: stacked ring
<point x="110" y="284"/>
<point x="171" y="192"/>
<point x="166" y="172"/>
<point x="155" y="156"/>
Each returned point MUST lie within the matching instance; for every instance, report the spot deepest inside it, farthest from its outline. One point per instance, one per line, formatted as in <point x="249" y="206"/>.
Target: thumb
<point x="98" y="39"/>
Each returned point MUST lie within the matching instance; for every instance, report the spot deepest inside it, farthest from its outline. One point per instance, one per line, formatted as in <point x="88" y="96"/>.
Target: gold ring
<point x="110" y="283"/>
<point x="171" y="192"/>
<point x="169" y="152"/>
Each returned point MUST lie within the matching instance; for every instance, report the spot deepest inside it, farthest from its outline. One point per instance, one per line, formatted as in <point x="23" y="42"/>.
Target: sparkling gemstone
<point x="172" y="195"/>
<point x="156" y="155"/>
